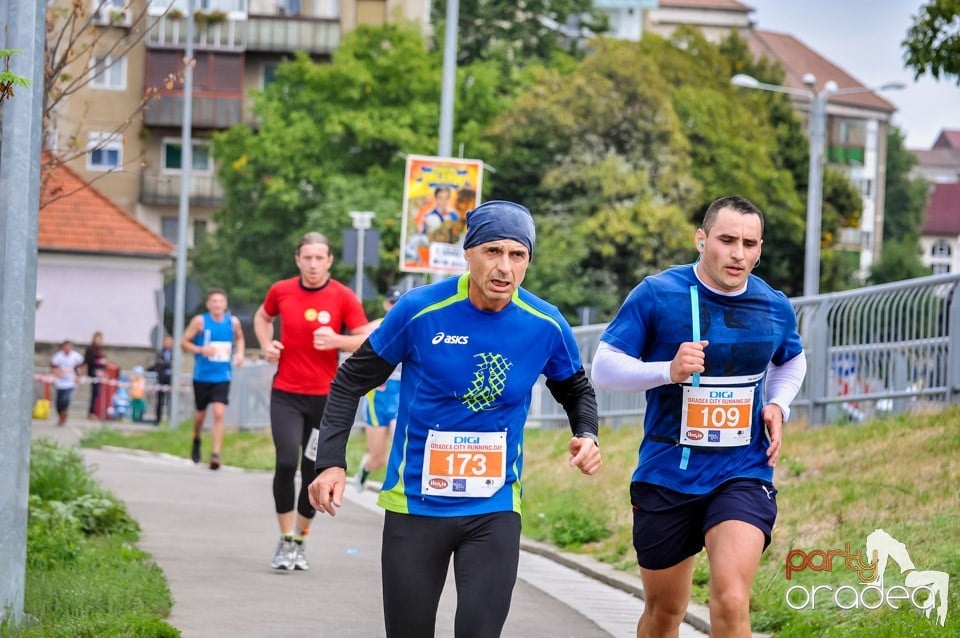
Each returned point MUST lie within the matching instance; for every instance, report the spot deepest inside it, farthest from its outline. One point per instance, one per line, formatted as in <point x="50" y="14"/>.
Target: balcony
<point x="228" y="33"/>
<point x="208" y="112"/>
<point x="273" y="33"/>
<point x="286" y="34"/>
<point x="163" y="189"/>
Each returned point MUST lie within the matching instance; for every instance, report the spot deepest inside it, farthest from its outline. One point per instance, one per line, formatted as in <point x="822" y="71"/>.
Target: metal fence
<point x="870" y="352"/>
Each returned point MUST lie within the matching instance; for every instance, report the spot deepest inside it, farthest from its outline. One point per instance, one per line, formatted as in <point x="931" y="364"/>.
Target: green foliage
<point x="331" y="139"/>
<point x="512" y="32"/>
<point x="576" y="528"/>
<point x="9" y="79"/>
<point x="932" y="44"/>
<point x="900" y="260"/>
<point x="83" y="577"/>
<point x="906" y="198"/>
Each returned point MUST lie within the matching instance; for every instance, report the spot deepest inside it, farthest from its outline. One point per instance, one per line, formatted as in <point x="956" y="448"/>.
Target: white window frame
<point x="109" y="6"/>
<point x="110" y="64"/>
<point x="177" y="171"/>
<point x="941" y="248"/>
<point x="97" y="140"/>
<point x="940" y="268"/>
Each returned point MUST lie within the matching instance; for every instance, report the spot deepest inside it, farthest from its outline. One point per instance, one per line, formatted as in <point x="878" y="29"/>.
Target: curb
<point x="697" y="616"/>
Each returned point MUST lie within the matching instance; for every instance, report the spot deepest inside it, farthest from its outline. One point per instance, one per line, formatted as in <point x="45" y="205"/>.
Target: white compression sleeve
<point x="783" y="382"/>
<point x="613" y="369"/>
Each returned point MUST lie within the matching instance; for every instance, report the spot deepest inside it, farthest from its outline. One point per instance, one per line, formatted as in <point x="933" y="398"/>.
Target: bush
<point x="577" y="528"/>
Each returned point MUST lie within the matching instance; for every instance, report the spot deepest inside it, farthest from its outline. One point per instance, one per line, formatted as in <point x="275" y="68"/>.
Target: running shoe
<point x="360" y="478"/>
<point x="214" y="461"/>
<point x="286" y="555"/>
<point x="300" y="557"/>
<point x="195" y="452"/>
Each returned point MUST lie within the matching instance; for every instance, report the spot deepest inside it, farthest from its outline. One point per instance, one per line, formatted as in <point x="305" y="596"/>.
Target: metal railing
<point x="871" y="352"/>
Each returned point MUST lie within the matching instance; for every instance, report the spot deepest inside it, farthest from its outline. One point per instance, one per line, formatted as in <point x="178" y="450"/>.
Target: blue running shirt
<point x="746" y="333"/>
<point x="467" y="380"/>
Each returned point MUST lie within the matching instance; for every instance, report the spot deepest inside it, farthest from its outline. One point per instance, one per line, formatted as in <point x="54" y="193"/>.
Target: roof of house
<point x="722" y="5"/>
<point x="76" y="217"/>
<point x="948" y="138"/>
<point x="942" y="216"/>
<point x="939" y="157"/>
<point x="798" y="59"/>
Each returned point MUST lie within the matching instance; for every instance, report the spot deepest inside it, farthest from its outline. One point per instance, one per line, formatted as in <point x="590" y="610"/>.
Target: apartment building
<point x="940" y="233"/>
<point x="134" y="157"/>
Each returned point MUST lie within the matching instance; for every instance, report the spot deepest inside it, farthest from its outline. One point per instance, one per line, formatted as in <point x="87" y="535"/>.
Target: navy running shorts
<point x="670" y="526"/>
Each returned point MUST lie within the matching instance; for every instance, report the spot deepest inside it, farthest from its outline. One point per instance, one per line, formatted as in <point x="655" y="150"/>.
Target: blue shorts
<point x="380" y="405"/>
<point x="669" y="526"/>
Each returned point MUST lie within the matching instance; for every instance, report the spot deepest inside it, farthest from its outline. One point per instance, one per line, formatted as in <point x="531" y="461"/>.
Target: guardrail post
<point x="953" y="345"/>
<point x="816" y="345"/>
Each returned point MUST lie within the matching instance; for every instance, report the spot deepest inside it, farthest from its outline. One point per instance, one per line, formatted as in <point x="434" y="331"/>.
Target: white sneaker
<point x="360" y="478"/>
<point x="286" y="555"/>
<point x="300" y="557"/>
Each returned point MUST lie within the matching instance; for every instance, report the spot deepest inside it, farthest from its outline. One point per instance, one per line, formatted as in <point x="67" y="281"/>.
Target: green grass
<point x="84" y="576"/>
<point x="837" y="484"/>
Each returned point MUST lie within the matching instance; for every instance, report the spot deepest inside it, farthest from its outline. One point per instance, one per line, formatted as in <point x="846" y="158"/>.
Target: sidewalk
<point x="214" y="534"/>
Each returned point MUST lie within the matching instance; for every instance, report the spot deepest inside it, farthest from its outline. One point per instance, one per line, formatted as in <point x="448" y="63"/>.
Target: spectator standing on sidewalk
<point x="64" y="364"/>
<point x="96" y="363"/>
<point x="164" y="369"/>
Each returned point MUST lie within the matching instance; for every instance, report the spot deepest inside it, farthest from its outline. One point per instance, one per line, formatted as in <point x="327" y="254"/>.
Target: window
<point x="201" y="160"/>
<point x="941" y="269"/>
<point x="168" y="228"/>
<point x="199" y="231"/>
<point x="941" y="248"/>
<point x="108" y="72"/>
<point x="104" y="151"/>
<point x="269" y="73"/>
<point x="111" y="12"/>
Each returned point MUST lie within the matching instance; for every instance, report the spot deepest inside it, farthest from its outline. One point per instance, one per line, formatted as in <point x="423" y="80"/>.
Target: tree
<point x="332" y="138"/>
<point x="906" y="201"/>
<point x="932" y="44"/>
<point x="906" y="198"/>
<point x="598" y="156"/>
<point x="518" y="32"/>
<point x="9" y="79"/>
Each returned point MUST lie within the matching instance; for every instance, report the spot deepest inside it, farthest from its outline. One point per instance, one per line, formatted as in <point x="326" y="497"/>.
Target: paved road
<point x="214" y="533"/>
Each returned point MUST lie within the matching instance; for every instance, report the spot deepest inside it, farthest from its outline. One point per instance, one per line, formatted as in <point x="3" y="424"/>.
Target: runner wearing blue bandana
<point x="472" y="348"/>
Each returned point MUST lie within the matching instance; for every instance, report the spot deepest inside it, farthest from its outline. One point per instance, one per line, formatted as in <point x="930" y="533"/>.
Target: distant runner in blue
<point x="717" y="351"/>
<point x="472" y="348"/>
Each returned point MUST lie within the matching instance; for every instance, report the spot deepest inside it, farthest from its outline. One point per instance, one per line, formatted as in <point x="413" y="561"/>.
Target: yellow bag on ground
<point x="41" y="409"/>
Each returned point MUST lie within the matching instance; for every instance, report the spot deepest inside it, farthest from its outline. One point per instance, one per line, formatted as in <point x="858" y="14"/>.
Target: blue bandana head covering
<point x="498" y="219"/>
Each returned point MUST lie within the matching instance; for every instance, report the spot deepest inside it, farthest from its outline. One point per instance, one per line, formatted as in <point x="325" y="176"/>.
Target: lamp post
<point x="361" y="221"/>
<point x="817" y="133"/>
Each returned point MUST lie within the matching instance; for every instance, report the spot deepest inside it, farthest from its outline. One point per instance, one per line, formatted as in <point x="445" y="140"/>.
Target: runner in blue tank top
<point x="718" y="353"/>
<point x="216" y="339"/>
<point x="472" y="348"/>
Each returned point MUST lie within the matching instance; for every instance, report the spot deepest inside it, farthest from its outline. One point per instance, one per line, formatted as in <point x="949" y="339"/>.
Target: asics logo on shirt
<point x="457" y="340"/>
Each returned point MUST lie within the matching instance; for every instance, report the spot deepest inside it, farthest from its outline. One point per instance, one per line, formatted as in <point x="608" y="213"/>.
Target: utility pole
<point x="186" y="167"/>
<point x="449" y="86"/>
<point x="24" y="28"/>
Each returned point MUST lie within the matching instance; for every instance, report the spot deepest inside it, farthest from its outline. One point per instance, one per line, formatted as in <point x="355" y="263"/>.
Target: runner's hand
<point x="272" y="352"/>
<point x="585" y="454"/>
<point x="326" y="491"/>
<point x="772" y="417"/>
<point x="689" y="359"/>
<point x="325" y="339"/>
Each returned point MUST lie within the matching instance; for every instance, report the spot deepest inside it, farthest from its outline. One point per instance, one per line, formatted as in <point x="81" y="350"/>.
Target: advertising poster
<point x="438" y="192"/>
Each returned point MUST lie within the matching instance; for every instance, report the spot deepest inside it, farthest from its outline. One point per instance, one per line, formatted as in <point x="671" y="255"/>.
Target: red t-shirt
<point x="303" y="369"/>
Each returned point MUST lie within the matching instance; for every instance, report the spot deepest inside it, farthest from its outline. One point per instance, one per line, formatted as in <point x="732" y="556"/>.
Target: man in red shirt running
<point x="314" y="311"/>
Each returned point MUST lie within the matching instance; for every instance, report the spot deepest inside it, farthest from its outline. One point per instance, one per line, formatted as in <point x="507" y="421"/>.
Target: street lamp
<point x="818" y="125"/>
<point x="361" y="221"/>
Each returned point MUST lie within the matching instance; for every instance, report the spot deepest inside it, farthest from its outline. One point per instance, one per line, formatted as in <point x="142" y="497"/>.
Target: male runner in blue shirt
<point x="472" y="348"/>
<point x="718" y="353"/>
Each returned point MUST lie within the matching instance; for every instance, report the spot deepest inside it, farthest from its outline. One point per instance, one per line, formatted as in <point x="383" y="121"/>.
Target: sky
<point x="863" y="38"/>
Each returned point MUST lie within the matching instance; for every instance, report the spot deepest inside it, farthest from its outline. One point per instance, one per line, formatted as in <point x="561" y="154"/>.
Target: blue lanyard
<point x="695" y="316"/>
